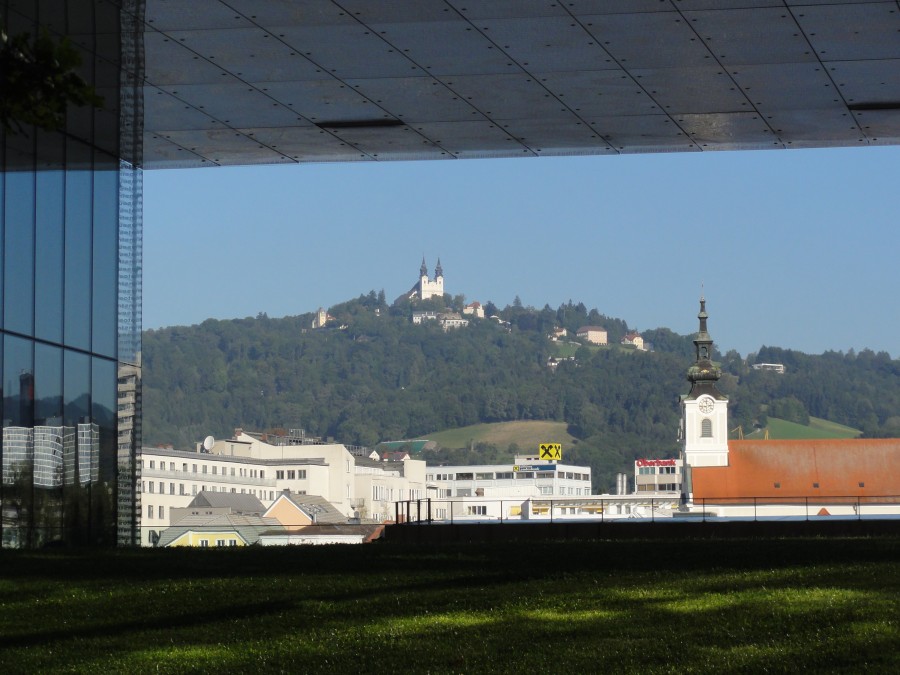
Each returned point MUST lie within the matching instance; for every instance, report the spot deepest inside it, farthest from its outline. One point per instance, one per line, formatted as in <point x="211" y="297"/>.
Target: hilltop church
<point x="819" y="477"/>
<point x="426" y="288"/>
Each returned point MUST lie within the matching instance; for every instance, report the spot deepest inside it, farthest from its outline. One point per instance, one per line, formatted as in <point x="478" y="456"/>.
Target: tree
<point x="790" y="409"/>
<point x="38" y="82"/>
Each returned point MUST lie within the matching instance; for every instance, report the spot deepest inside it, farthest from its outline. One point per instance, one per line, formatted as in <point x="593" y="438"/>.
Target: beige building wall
<point x="288" y="514"/>
<point x="596" y="336"/>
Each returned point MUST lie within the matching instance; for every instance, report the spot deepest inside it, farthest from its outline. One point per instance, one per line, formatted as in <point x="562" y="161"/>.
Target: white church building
<point x="427" y="288"/>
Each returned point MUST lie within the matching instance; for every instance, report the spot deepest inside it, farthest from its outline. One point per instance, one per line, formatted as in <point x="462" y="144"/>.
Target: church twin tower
<point x="704" y="419"/>
<point x="427" y="288"/>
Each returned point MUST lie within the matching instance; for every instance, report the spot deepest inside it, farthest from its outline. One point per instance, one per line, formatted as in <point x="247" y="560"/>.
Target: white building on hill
<point x="427" y="288"/>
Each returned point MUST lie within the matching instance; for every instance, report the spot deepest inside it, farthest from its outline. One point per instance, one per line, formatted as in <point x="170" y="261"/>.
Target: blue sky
<point x="797" y="249"/>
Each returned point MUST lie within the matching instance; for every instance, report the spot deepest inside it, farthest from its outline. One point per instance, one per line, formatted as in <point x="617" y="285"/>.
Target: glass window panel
<point x="76" y="388"/>
<point x="18" y="266"/>
<point x="18" y="443"/>
<point x="103" y="415"/>
<point x="79" y="454"/>
<point x="50" y="442"/>
<point x="2" y="217"/>
<point x="49" y="232"/>
<point x="18" y="382"/>
<point x="48" y="394"/>
<point x="130" y="228"/>
<point x="105" y="262"/>
<point x="78" y="257"/>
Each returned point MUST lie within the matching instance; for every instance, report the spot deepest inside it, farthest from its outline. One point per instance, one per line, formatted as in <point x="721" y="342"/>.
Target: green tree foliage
<point x="39" y="80"/>
<point x="383" y="378"/>
<point x="861" y="390"/>
<point x="789" y="408"/>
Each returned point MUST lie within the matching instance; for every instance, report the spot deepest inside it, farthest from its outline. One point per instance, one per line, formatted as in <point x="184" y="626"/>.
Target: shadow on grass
<point x="779" y="605"/>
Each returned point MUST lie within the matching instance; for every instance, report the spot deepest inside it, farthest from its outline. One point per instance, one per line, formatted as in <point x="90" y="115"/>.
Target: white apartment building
<point x="498" y="490"/>
<point x="250" y="465"/>
<point x="380" y="484"/>
<point x="525" y="477"/>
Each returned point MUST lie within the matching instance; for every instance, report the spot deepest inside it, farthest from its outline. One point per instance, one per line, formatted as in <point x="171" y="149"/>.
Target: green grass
<point x="818" y="428"/>
<point x="566" y="607"/>
<point x="527" y="434"/>
<point x="564" y="349"/>
<point x="827" y="426"/>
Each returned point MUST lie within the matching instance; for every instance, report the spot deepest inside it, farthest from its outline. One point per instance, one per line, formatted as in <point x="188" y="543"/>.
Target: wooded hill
<point x="383" y="378"/>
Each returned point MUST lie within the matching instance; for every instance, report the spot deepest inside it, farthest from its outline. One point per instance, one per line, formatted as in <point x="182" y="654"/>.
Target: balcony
<point x="207" y="477"/>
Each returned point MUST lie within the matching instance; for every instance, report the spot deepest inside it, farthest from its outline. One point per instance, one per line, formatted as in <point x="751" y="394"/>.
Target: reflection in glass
<point x="48" y="254"/>
<point x="18" y="265"/>
<point x="18" y="442"/>
<point x="103" y="414"/>
<point x="82" y="465"/>
<point x="78" y="259"/>
<point x="105" y="259"/>
<point x="52" y="441"/>
<point x="70" y="295"/>
<point x="130" y="262"/>
<point x="2" y="215"/>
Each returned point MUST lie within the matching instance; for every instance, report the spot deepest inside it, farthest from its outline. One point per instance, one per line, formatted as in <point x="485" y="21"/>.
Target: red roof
<point x="838" y="466"/>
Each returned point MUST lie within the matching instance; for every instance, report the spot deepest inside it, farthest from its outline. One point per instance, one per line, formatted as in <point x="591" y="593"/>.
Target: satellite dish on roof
<point x="208" y="443"/>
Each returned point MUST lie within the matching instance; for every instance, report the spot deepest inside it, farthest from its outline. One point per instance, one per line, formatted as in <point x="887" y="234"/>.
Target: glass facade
<point x="70" y="292"/>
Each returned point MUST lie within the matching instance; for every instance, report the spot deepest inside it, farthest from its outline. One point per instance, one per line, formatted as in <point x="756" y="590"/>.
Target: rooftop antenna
<point x="208" y="443"/>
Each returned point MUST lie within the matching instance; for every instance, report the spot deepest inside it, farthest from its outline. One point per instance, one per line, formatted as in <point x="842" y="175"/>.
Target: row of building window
<point x="544" y="490"/>
<point x="509" y="475"/>
<point x="652" y="470"/>
<point x="661" y="487"/>
<point x="204" y="543"/>
<point x="242" y="472"/>
<point x="291" y="474"/>
<point x="147" y="488"/>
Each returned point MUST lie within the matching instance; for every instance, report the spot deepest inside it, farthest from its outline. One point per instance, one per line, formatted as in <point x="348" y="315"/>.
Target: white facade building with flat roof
<point x="246" y="464"/>
<point x="497" y="491"/>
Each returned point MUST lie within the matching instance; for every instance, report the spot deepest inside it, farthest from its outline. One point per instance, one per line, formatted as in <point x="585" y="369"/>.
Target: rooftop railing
<point x="651" y="509"/>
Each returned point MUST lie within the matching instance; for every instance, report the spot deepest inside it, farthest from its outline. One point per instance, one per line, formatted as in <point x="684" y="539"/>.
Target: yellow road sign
<point x="550" y="450"/>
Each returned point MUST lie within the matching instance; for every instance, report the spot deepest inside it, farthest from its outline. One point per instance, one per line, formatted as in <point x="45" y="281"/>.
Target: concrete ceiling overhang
<point x="284" y="81"/>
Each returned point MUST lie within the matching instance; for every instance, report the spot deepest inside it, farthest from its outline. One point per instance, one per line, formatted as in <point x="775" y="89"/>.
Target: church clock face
<point x="706" y="405"/>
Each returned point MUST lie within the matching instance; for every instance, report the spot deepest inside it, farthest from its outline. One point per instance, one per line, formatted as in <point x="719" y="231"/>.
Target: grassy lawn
<point x="564" y="349"/>
<point x="770" y="605"/>
<point x="818" y="428"/>
<point x="527" y="434"/>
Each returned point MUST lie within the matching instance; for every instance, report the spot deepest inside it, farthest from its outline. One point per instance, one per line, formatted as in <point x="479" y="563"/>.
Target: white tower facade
<point x="427" y="287"/>
<point x="704" y="420"/>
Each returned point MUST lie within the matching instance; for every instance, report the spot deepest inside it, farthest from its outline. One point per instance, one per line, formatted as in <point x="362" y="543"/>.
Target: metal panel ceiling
<point x="250" y="81"/>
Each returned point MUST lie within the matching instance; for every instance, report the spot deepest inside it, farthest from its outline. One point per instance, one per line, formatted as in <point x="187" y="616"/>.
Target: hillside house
<point x="474" y="309"/>
<point x="593" y="334"/>
<point x="635" y="340"/>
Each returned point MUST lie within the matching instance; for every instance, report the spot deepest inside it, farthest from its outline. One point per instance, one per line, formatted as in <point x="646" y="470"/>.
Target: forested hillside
<point x="383" y="378"/>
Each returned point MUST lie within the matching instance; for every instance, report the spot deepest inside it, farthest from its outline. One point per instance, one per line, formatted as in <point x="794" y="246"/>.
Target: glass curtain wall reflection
<point x="70" y="292"/>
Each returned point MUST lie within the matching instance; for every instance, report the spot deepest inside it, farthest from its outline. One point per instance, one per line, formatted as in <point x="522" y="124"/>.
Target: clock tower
<point x="704" y="418"/>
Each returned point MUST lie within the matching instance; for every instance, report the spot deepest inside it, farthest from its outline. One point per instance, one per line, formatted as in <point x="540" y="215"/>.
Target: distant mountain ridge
<point x="383" y="378"/>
